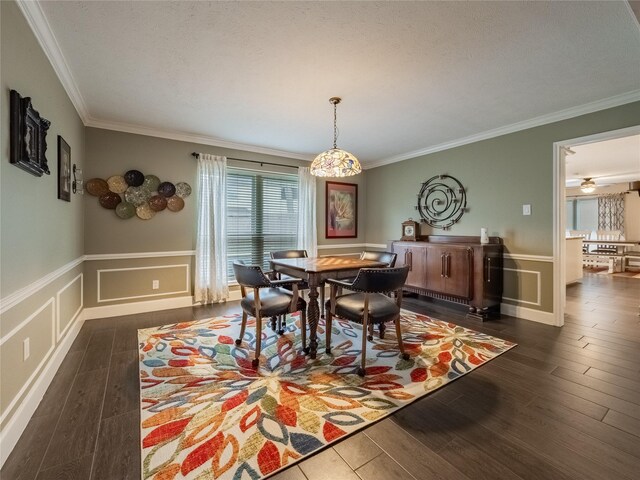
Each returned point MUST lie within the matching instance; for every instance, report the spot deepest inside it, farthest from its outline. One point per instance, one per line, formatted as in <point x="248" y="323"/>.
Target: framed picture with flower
<point x="341" y="219"/>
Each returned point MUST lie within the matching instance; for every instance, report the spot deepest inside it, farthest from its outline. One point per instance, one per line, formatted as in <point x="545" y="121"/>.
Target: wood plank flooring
<point x="564" y="404"/>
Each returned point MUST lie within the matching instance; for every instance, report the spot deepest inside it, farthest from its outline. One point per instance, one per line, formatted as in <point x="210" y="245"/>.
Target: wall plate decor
<point x="117" y="184"/>
<point x="110" y="200"/>
<point x="144" y="212"/>
<point x="151" y="183"/>
<point x="183" y="190"/>
<point x="134" y="194"/>
<point x="341" y="201"/>
<point x="97" y="187"/>
<point x="175" y="203"/>
<point x="158" y="203"/>
<point x="27" y="136"/>
<point x="442" y="201"/>
<point x="125" y="210"/>
<point x="167" y="189"/>
<point x="64" y="170"/>
<point x="137" y="195"/>
<point x="134" y="178"/>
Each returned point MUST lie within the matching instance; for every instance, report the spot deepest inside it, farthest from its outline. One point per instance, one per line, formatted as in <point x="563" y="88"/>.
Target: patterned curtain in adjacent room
<point x="611" y="212"/>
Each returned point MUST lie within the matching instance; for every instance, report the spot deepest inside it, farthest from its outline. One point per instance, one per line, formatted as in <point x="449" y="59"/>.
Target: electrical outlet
<point x="526" y="209"/>
<point x="156" y="284"/>
<point x="26" y="350"/>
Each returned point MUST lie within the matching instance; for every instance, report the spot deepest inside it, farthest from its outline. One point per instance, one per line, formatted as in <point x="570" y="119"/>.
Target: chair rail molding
<point x="23" y="293"/>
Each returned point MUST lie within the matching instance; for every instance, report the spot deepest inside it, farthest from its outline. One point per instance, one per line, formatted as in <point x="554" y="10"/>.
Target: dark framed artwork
<point x="64" y="170"/>
<point x="27" y="136"/>
<point x="341" y="210"/>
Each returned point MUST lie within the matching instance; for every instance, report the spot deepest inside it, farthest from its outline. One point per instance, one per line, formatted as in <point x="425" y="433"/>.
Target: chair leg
<point x="303" y="327"/>
<point x="243" y="326"/>
<point x="370" y="336"/>
<point x="323" y="312"/>
<point x="282" y="321"/>
<point x="381" y="328"/>
<point x="327" y="326"/>
<point x="274" y="325"/>
<point x="363" y="363"/>
<point x="403" y="355"/>
<point x="256" y="360"/>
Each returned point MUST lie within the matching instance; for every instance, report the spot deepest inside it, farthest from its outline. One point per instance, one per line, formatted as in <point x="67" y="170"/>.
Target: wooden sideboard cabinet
<point x="458" y="269"/>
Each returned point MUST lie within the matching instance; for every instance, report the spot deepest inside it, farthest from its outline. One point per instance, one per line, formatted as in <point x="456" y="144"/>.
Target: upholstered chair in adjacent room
<point x="368" y="304"/>
<point x="267" y="298"/>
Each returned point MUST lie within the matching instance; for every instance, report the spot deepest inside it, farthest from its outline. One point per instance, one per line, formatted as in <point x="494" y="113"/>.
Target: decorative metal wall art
<point x="134" y="194"/>
<point x="442" y="201"/>
<point x="28" y="136"/>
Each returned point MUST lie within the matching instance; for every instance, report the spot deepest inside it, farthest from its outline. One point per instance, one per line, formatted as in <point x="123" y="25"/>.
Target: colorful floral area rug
<point x="206" y="414"/>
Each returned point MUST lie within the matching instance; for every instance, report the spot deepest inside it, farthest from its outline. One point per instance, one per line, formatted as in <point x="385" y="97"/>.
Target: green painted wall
<point x="500" y="175"/>
<point x="113" y="153"/>
<point x="39" y="232"/>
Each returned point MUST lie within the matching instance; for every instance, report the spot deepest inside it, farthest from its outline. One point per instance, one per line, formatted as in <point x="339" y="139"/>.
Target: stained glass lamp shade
<point x="335" y="162"/>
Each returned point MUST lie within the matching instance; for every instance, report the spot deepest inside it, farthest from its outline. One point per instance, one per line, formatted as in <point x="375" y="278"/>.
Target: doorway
<point x="560" y="213"/>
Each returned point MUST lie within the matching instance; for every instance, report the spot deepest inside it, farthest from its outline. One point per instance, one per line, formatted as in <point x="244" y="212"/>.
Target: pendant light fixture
<point x="335" y="162"/>
<point x="588" y="185"/>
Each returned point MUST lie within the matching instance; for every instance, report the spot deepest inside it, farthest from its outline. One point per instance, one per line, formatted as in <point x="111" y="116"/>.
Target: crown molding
<point x="42" y="30"/>
<point x="191" y="138"/>
<point x="572" y="112"/>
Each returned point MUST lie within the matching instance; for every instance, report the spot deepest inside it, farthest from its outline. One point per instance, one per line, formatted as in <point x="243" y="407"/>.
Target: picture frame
<point x="27" y="136"/>
<point x="341" y="212"/>
<point x="64" y="170"/>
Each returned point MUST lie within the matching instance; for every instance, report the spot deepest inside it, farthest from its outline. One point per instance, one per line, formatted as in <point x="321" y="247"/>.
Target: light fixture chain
<point x="335" y="123"/>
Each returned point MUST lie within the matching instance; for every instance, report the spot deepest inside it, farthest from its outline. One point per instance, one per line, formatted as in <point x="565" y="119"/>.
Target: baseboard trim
<point x="548" y="318"/>
<point x="14" y="428"/>
<point x="136" y="307"/>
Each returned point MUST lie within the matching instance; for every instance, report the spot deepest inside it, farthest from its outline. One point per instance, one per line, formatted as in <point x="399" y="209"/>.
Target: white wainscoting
<point x="59" y="333"/>
<point x="186" y="289"/>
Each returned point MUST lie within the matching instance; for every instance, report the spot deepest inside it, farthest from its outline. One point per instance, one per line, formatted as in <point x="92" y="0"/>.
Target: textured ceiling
<point x="411" y="74"/>
<point x="611" y="161"/>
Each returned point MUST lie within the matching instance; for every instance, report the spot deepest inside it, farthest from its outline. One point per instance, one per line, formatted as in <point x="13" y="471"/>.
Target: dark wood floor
<point x="563" y="404"/>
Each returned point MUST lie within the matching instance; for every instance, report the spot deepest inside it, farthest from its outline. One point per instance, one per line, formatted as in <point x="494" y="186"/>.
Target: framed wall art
<point x="341" y="210"/>
<point x="64" y="170"/>
<point x="28" y="136"/>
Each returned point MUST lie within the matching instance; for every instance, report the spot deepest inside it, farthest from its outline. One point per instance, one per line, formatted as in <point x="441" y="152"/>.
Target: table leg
<point x="313" y="315"/>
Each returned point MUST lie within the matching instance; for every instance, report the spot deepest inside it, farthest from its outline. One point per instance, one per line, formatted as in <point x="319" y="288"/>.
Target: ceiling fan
<point x="588" y="185"/>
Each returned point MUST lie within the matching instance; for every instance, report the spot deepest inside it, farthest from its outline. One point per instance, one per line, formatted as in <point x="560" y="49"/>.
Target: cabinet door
<point x="435" y="268"/>
<point x="415" y="257"/>
<point x="458" y="267"/>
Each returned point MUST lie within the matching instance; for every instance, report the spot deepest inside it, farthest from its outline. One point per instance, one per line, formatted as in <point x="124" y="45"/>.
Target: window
<point x="262" y="216"/>
<point x="582" y="214"/>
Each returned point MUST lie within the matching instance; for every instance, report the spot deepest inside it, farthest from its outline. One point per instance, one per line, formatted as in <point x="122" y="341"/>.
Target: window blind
<point x="262" y="216"/>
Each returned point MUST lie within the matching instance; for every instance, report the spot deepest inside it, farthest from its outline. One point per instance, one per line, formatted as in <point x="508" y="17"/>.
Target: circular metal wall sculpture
<point x="442" y="201"/>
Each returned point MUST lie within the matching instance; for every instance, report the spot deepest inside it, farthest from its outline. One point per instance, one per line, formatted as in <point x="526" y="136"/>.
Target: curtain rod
<point x="196" y="155"/>
<point x="597" y="195"/>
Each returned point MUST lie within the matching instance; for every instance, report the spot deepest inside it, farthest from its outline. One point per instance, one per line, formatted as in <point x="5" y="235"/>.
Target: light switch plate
<point x="26" y="350"/>
<point x="526" y="209"/>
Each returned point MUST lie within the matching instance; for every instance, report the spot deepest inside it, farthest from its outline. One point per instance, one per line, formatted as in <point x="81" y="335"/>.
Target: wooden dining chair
<point x="267" y="298"/>
<point x="368" y="305"/>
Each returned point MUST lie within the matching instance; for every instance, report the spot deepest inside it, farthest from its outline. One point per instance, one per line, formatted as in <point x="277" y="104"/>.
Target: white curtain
<point x="211" y="284"/>
<point x="307" y="235"/>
